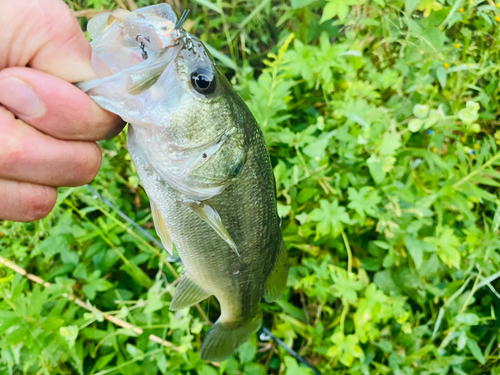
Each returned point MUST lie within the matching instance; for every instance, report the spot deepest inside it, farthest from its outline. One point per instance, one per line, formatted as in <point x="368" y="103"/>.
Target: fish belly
<point x="236" y="281"/>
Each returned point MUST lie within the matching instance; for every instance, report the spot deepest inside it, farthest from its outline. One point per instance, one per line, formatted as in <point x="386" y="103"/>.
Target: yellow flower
<point x="434" y="149"/>
<point x="446" y="65"/>
<point x="476" y="146"/>
<point x="498" y="5"/>
<point x="463" y="139"/>
<point x="457" y="45"/>
<point x="461" y="10"/>
<point x="440" y="27"/>
<point x="469" y="65"/>
<point x="497" y="19"/>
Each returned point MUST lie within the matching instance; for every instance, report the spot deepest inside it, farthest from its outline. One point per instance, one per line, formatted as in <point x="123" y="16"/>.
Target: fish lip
<point x="152" y="30"/>
<point x="89" y="85"/>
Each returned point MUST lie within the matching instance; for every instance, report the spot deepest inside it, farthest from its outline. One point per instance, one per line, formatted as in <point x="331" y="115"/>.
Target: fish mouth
<point x="124" y="39"/>
<point x="139" y="58"/>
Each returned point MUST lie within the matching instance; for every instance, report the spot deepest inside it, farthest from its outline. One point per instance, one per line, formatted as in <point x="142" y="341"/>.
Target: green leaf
<point x="229" y="366"/>
<point x="415" y="125"/>
<point x="247" y="351"/>
<point x="338" y="8"/>
<point x="254" y="369"/>
<point x="364" y="202"/>
<point x="390" y="143"/>
<point x="207" y="370"/>
<point x="376" y="169"/>
<point x="69" y="334"/>
<point x="345" y="348"/>
<point x="52" y="245"/>
<point x="442" y="76"/>
<point x="224" y="59"/>
<point x="476" y="351"/>
<point x="154" y="302"/>
<point x="446" y="246"/>
<point x="468" y="319"/>
<point x="209" y="5"/>
<point x="410" y="6"/>
<point x="297" y="4"/>
<point x="415" y="248"/>
<point x="292" y="368"/>
<point x="331" y="218"/>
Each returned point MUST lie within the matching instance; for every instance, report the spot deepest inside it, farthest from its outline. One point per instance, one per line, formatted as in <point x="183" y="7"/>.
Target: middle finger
<point x="28" y="155"/>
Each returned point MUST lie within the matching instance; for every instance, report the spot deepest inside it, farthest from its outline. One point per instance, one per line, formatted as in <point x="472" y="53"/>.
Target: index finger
<point x="44" y="35"/>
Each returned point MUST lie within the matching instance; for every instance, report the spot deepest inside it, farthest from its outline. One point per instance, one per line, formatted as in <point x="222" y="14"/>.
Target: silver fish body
<point x="203" y="162"/>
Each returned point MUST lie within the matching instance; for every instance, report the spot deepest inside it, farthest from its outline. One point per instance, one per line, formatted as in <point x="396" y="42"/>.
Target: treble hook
<point x="138" y="39"/>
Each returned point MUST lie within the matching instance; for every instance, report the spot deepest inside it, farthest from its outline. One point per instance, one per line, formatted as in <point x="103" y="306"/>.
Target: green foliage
<point x="380" y="117"/>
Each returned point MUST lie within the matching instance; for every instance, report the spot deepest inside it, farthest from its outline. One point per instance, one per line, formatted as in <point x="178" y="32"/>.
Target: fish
<point x="203" y="162"/>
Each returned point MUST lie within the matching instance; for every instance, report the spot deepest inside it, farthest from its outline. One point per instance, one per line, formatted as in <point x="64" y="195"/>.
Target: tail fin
<point x="224" y="338"/>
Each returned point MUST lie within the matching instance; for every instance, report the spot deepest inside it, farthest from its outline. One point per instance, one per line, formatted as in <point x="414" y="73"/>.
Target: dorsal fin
<point x="276" y="281"/>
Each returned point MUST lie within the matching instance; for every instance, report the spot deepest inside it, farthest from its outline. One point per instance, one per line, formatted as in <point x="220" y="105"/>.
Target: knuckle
<point x="103" y="124"/>
<point x="114" y="125"/>
<point x="11" y="148"/>
<point x="36" y="201"/>
<point x="65" y="20"/>
<point x="90" y="162"/>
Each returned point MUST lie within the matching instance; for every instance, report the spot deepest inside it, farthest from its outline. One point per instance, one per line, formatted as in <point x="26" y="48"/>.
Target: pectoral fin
<point x="276" y="281"/>
<point x="161" y="228"/>
<point x="212" y="218"/>
<point x="188" y="293"/>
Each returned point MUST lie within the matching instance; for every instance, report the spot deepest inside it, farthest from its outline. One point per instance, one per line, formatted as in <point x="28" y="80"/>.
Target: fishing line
<point x="179" y="23"/>
<point x="264" y="333"/>
<point x="170" y="258"/>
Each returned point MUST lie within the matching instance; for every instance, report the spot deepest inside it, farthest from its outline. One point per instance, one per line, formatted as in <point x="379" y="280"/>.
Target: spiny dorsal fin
<point x="212" y="218"/>
<point x="161" y="229"/>
<point x="187" y="294"/>
<point x="276" y="281"/>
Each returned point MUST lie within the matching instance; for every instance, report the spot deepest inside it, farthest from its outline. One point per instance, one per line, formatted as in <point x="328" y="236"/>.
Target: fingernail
<point x="20" y="98"/>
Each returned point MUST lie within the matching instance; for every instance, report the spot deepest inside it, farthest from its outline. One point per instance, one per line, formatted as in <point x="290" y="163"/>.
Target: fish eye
<point x="203" y="81"/>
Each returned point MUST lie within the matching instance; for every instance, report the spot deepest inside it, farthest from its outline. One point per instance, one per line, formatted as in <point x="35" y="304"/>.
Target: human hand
<point x="48" y="127"/>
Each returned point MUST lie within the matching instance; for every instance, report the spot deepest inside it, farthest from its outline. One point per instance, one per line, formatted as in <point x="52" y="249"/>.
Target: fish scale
<point x="203" y="162"/>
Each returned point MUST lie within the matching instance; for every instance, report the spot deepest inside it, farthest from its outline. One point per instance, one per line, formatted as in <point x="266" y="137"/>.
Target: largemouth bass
<point x="202" y="160"/>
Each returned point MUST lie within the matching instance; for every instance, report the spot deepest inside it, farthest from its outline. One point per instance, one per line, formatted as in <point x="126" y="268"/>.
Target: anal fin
<point x="276" y="281"/>
<point x="188" y="293"/>
<point x="161" y="228"/>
